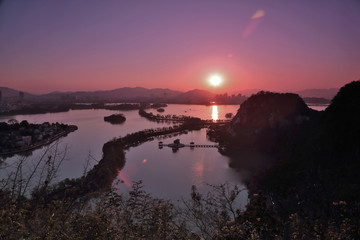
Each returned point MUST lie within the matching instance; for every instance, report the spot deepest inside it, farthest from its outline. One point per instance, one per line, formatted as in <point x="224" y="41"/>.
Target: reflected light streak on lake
<point x="215" y="113"/>
<point x="124" y="178"/>
<point x="198" y="171"/>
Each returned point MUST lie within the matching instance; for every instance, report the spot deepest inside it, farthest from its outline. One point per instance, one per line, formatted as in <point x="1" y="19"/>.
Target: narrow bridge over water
<point x="177" y="145"/>
<point x="194" y="145"/>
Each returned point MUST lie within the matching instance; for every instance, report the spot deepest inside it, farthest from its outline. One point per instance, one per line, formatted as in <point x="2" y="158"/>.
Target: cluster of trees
<point x="171" y="118"/>
<point x="115" y="118"/>
<point x="158" y="105"/>
<point x="39" y="108"/>
<point x="122" y="106"/>
<point x="14" y="125"/>
<point x="12" y="135"/>
<point x="136" y="215"/>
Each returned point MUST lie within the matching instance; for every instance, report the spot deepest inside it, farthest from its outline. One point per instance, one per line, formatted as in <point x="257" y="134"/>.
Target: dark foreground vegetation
<point x="307" y="186"/>
<point x="309" y="169"/>
<point x="88" y="207"/>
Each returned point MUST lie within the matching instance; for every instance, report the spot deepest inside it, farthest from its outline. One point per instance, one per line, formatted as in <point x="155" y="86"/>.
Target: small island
<point x="115" y="119"/>
<point x="158" y="105"/>
<point x="229" y="115"/>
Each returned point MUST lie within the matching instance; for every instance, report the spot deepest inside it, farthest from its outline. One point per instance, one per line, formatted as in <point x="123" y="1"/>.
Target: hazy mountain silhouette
<point x="319" y="93"/>
<point x="305" y="93"/>
<point x="137" y="94"/>
<point x="194" y="96"/>
<point x="120" y="94"/>
<point x="125" y="93"/>
<point x="10" y="93"/>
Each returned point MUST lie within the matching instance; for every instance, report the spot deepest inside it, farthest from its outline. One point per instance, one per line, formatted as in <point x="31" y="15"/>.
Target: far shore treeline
<point x="14" y="102"/>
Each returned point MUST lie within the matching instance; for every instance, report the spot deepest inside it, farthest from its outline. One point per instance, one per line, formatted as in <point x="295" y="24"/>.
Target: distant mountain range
<point x="12" y="93"/>
<point x="138" y="94"/>
<point x="120" y="94"/>
<point x="318" y="93"/>
<point x="306" y="93"/>
<point x="129" y="93"/>
<point x="194" y="96"/>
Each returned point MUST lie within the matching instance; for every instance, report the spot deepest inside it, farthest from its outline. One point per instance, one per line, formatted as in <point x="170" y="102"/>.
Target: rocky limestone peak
<point x="345" y="106"/>
<point x="267" y="109"/>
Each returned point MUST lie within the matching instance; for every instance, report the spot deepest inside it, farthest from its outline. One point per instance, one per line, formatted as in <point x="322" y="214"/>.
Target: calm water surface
<point x="204" y="112"/>
<point x="164" y="173"/>
<point x="319" y="107"/>
<point x="173" y="174"/>
<point x="93" y="132"/>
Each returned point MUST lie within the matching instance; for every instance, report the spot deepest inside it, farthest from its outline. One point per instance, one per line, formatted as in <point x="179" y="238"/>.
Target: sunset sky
<point x="70" y="45"/>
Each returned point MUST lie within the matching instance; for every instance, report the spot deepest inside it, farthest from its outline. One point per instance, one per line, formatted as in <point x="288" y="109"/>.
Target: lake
<point x="164" y="173"/>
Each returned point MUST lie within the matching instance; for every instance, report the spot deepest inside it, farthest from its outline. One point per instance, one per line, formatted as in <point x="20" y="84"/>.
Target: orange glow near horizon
<point x="249" y="45"/>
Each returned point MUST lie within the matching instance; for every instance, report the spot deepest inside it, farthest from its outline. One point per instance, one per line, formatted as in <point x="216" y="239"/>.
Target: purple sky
<point x="68" y="45"/>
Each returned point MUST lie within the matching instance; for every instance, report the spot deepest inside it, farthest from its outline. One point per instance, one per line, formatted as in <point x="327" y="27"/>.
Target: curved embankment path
<point x="101" y="176"/>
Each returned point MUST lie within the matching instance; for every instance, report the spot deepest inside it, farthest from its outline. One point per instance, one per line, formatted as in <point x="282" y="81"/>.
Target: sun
<point x="215" y="80"/>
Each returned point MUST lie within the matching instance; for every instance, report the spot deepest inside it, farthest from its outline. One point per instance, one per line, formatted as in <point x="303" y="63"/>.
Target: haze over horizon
<point x="88" y="45"/>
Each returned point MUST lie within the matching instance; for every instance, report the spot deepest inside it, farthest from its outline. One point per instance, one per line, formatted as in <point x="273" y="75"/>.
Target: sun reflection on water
<point x="124" y="178"/>
<point x="214" y="113"/>
<point x="198" y="172"/>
